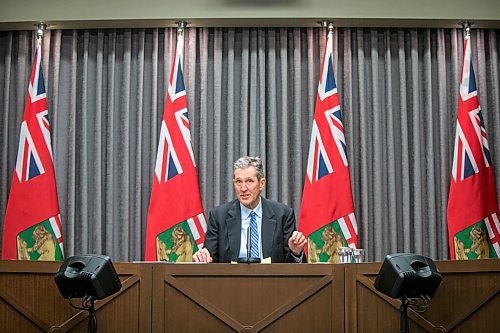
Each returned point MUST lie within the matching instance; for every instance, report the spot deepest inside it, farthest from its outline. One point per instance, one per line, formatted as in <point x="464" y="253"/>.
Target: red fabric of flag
<point x="32" y="225"/>
<point x="176" y="224"/>
<point x="473" y="226"/>
<point x="327" y="197"/>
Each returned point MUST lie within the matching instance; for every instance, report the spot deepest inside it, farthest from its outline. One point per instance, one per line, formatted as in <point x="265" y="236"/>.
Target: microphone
<point x="248" y="245"/>
<point x="249" y="259"/>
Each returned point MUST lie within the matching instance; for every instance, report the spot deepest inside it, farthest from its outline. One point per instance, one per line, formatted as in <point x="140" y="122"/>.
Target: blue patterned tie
<point x="254" y="236"/>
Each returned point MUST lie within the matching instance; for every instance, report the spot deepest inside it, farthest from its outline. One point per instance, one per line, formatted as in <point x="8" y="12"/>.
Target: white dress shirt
<point x="245" y="224"/>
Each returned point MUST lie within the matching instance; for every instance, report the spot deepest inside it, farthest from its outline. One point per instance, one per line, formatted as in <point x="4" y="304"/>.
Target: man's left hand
<point x="297" y="242"/>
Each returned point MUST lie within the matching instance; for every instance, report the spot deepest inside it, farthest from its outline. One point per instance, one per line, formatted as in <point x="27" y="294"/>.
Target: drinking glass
<point x="345" y="255"/>
<point x="358" y="255"/>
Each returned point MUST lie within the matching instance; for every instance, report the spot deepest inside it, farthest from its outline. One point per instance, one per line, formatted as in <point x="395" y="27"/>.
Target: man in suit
<point x="228" y="224"/>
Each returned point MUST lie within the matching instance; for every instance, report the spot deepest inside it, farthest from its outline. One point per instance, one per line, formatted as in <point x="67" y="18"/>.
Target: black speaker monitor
<point x="408" y="275"/>
<point x="87" y="275"/>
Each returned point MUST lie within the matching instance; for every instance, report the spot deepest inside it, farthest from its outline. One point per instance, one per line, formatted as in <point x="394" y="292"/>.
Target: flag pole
<point x="329" y="27"/>
<point x="466" y="25"/>
<point x="326" y="24"/>
<point x="40" y="29"/>
<point x="180" y="27"/>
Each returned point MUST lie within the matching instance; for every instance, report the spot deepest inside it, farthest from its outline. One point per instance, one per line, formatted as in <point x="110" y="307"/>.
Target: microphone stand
<point x="249" y="244"/>
<point x="249" y="259"/>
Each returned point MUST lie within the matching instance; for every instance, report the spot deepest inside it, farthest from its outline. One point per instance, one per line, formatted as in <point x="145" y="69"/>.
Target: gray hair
<point x="249" y="161"/>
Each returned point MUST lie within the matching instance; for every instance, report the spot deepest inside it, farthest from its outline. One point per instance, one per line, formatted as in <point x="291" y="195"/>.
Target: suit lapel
<point x="233" y="224"/>
<point x="268" y="228"/>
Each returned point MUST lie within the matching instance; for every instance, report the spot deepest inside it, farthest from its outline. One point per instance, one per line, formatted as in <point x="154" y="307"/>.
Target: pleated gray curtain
<point x="250" y="91"/>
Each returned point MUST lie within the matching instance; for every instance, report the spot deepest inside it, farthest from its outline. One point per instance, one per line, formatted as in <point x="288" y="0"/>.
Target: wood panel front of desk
<point x="248" y="298"/>
<point x="31" y="302"/>
<point x="467" y="300"/>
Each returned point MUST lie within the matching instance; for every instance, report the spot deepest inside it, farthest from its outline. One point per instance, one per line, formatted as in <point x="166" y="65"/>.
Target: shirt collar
<point x="245" y="212"/>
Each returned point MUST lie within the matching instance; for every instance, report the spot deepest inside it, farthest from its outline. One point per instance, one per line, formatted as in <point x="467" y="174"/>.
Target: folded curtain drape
<point x="251" y="91"/>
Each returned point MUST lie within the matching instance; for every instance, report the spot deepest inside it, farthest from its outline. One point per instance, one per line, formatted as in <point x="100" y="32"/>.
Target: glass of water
<point x="345" y="255"/>
<point x="358" y="255"/>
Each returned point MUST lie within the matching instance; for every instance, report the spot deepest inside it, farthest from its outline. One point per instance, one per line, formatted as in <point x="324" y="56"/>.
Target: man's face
<point x="248" y="187"/>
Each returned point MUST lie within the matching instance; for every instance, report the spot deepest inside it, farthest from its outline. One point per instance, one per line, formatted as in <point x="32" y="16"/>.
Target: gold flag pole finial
<point x="180" y="27"/>
<point x="40" y="29"/>
<point x="466" y="26"/>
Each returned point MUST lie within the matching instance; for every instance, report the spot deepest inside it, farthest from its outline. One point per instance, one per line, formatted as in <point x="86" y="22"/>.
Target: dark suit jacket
<point x="223" y="236"/>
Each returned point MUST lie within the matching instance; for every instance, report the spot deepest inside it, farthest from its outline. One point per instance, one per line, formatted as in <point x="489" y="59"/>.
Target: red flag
<point x="473" y="226"/>
<point x="32" y="225"/>
<point x="327" y="210"/>
<point x="176" y="222"/>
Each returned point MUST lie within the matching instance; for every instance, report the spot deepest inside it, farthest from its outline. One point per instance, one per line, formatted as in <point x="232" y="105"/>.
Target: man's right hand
<point x="202" y="256"/>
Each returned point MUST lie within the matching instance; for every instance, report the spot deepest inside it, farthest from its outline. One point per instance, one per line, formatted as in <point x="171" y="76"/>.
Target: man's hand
<point x="297" y="242"/>
<point x="203" y="256"/>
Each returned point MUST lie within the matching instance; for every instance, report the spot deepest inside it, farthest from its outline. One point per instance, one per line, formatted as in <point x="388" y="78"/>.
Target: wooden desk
<point x="249" y="298"/>
<point x="467" y="300"/>
<point x="31" y="302"/>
